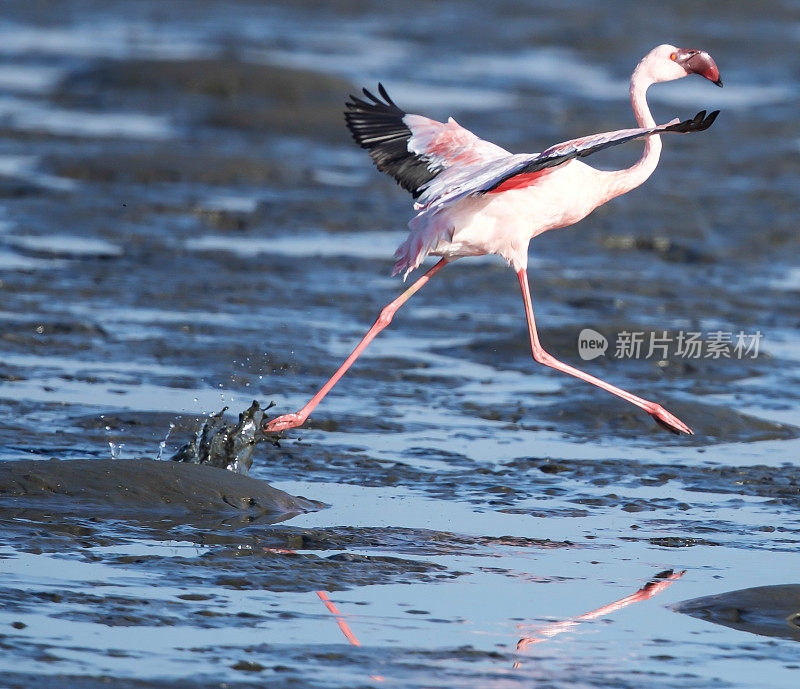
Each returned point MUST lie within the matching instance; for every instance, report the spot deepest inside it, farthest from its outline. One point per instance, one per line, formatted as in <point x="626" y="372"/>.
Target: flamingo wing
<point x="411" y="148"/>
<point x="585" y="146"/>
<point x="522" y="170"/>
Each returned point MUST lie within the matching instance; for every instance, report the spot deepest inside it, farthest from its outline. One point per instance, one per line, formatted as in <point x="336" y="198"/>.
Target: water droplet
<point x="163" y="443"/>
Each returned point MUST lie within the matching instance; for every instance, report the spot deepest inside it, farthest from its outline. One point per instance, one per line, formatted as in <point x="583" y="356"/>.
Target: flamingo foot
<point x="669" y="421"/>
<point x="283" y="423"/>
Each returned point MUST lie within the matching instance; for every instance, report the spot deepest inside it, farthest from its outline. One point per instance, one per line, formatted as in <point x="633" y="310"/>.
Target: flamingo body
<point x="503" y="222"/>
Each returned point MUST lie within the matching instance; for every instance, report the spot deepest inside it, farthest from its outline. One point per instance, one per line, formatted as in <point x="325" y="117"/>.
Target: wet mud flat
<point x="111" y="487"/>
<point x="764" y="610"/>
<point x="187" y="226"/>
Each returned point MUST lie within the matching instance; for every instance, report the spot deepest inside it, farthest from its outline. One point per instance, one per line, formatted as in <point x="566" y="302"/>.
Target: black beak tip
<point x="718" y="82"/>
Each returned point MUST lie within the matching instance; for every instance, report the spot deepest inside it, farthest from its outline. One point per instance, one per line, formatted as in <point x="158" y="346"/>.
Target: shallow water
<point x="186" y="225"/>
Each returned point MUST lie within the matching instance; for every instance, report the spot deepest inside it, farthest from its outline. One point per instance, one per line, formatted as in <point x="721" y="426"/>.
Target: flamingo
<point x="473" y="197"/>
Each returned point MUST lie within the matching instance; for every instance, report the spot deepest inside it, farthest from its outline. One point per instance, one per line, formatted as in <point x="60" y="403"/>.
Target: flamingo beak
<point x="698" y="62"/>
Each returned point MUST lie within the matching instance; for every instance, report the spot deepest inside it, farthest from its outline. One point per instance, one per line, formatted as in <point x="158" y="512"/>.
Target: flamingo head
<point x="667" y="63"/>
<point x="697" y="62"/>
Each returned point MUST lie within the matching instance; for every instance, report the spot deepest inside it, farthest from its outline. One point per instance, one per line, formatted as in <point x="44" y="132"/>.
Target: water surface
<point x="186" y="225"/>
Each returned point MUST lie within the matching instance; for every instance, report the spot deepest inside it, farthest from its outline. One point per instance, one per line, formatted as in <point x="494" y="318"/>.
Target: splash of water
<point x="163" y="443"/>
<point x="115" y="448"/>
<point x="224" y="445"/>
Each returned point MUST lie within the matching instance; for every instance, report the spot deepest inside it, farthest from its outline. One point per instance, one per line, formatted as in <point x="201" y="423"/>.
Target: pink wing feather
<point x="446" y="144"/>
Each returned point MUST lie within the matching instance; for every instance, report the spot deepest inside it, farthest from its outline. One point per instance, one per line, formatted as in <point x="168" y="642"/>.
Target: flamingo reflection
<point x="656" y="585"/>
<point x="323" y="596"/>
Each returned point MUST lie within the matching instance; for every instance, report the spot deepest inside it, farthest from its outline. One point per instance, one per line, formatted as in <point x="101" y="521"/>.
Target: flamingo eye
<point x="674" y="56"/>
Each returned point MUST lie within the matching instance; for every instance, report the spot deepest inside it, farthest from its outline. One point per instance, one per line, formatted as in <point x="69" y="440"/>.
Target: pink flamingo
<point x="474" y="198"/>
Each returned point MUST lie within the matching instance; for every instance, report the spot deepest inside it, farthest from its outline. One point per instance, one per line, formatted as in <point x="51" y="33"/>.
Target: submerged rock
<point x="764" y="610"/>
<point x="224" y="445"/>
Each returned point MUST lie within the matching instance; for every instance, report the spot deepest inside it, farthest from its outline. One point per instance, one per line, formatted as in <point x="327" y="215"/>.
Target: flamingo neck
<point x="625" y="180"/>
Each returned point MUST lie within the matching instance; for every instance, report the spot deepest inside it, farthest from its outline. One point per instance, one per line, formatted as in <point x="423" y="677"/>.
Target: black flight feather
<point x="377" y="125"/>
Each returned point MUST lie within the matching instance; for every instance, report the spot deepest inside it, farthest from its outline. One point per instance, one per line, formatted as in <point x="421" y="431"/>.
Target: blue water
<point x="172" y="243"/>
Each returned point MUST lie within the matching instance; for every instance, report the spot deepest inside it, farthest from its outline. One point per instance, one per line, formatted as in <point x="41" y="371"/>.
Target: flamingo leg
<point x="661" y="415"/>
<point x="282" y="423"/>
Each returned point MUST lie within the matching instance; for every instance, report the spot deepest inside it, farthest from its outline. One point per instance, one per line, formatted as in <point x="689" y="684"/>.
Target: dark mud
<point x="218" y="92"/>
<point x="765" y="610"/>
<point x="139" y="488"/>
